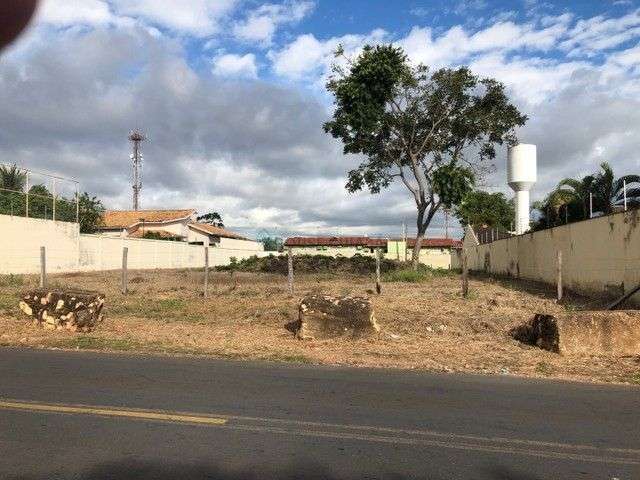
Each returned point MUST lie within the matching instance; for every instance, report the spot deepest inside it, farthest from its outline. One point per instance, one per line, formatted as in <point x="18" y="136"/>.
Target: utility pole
<point x="136" y="137"/>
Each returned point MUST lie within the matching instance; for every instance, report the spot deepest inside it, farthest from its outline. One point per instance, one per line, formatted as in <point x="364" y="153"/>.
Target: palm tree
<point x="609" y="192"/>
<point x="571" y="192"/>
<point x="12" y="178"/>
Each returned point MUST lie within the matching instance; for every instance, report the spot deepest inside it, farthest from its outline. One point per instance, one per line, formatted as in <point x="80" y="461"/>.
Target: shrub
<point x="407" y="275"/>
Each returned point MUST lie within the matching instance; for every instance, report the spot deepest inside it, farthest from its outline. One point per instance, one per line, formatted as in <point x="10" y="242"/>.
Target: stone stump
<point x="58" y="309"/>
<point x="325" y="316"/>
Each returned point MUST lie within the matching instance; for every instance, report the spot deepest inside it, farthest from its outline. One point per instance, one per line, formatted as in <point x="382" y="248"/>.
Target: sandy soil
<point x="426" y="325"/>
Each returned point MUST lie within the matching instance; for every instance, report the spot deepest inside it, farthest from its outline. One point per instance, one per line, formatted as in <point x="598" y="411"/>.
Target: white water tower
<point x="521" y="175"/>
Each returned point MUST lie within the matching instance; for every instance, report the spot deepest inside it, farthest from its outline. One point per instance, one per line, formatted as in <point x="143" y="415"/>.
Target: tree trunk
<point x="422" y="227"/>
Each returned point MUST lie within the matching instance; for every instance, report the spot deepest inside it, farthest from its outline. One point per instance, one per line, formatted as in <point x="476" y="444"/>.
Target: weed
<point x="85" y="342"/>
<point x="635" y="378"/>
<point x="471" y="295"/>
<point x="11" y="280"/>
<point x="407" y="276"/>
<point x="290" y="357"/>
<point x="543" y="368"/>
<point x="8" y="302"/>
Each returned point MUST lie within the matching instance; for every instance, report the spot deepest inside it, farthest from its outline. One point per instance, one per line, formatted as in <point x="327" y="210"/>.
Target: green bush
<point x="358" y="264"/>
<point x="407" y="275"/>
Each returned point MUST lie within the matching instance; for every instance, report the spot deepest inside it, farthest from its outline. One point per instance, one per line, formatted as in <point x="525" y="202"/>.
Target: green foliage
<point x="272" y="244"/>
<point x="41" y="206"/>
<point x="452" y="183"/>
<point x="358" y="264"/>
<point x="12" y="178"/>
<point x="411" y="124"/>
<point x="415" y="276"/>
<point x="91" y="211"/>
<point x="570" y="200"/>
<point x="483" y="208"/>
<point x="151" y="235"/>
<point x="11" y="280"/>
<point x="411" y="276"/>
<point x="212" y="218"/>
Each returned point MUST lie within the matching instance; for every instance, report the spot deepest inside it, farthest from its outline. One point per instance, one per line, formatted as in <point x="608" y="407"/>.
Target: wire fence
<point x="34" y="194"/>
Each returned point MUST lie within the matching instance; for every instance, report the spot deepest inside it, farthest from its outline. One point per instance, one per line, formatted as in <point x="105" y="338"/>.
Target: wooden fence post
<point x="559" y="271"/>
<point x="465" y="275"/>
<point x="290" y="270"/>
<point x="378" y="284"/>
<point x="125" y="254"/>
<point x="43" y="267"/>
<point x="206" y="272"/>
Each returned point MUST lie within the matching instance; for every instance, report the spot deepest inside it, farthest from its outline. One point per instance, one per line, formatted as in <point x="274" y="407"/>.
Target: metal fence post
<point x="206" y="272"/>
<point x="26" y="194"/>
<point x="559" y="274"/>
<point x="125" y="254"/>
<point x="465" y="275"/>
<point x="378" y="284"/>
<point x="53" y="195"/>
<point x="43" y="267"/>
<point x="290" y="269"/>
<point x="77" y="204"/>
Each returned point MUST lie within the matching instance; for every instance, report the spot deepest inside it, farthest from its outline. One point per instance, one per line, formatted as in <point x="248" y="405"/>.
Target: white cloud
<point x="231" y="65"/>
<point x="262" y="23"/>
<point x="197" y="17"/>
<point x="307" y="56"/>
<point x="70" y="12"/>
<point x="600" y="33"/>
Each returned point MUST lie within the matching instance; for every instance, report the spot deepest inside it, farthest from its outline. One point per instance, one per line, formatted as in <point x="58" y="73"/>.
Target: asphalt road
<point x="92" y="416"/>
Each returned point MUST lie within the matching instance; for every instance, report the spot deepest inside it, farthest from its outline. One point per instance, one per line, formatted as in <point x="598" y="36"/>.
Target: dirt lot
<point x="425" y="325"/>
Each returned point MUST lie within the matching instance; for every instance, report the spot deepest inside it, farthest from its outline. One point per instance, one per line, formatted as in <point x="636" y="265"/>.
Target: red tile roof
<point x="128" y="218"/>
<point x="327" y="241"/>
<point x="216" y="231"/>
<point x="367" y="242"/>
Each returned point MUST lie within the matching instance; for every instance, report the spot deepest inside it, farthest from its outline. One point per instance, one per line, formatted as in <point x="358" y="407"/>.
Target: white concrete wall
<point x="21" y="239"/>
<point x="600" y="256"/>
<point x="103" y="253"/>
<point x="68" y="251"/>
<point x="245" y="245"/>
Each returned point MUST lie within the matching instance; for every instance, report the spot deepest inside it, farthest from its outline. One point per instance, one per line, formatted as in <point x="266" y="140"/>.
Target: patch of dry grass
<point x="426" y="324"/>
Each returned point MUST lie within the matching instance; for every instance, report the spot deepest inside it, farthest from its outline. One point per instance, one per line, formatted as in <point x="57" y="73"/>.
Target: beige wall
<point x="68" y="250"/>
<point x="103" y="253"/>
<point x="21" y="239"/>
<point x="600" y="256"/>
<point x="244" y="245"/>
<point x="437" y="257"/>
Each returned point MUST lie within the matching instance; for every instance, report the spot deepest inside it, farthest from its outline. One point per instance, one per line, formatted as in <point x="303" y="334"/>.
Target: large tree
<point x="432" y="130"/>
<point x="91" y="213"/>
<point x="212" y="218"/>
<point x="12" y="178"/>
<point x="483" y="208"/>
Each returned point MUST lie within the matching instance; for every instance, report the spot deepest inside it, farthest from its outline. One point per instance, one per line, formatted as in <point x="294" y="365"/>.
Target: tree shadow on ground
<point x="570" y="299"/>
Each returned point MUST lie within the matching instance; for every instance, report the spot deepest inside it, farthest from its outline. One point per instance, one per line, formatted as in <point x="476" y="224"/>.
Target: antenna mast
<point x="136" y="137"/>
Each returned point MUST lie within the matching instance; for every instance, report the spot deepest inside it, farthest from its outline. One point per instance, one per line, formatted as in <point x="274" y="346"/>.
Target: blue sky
<point x="231" y="94"/>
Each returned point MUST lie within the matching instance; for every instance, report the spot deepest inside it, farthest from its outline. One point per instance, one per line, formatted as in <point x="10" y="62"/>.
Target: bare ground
<point x="426" y="325"/>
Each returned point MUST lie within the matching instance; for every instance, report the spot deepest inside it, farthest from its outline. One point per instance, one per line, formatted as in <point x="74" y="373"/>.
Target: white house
<point x="181" y="225"/>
